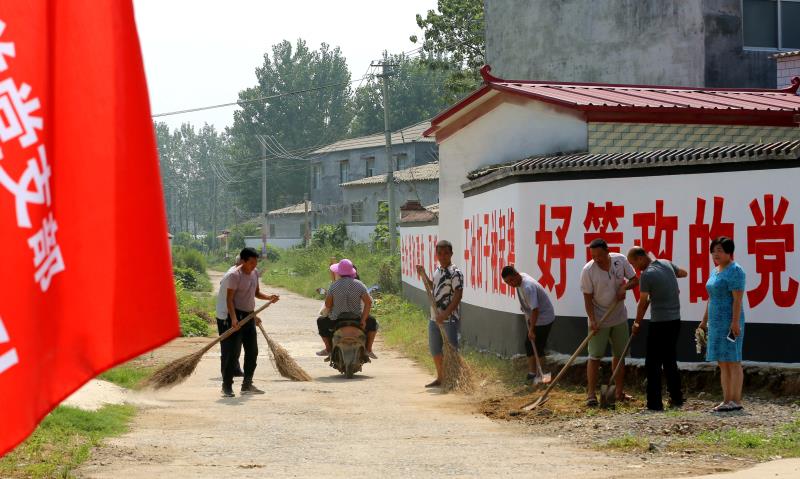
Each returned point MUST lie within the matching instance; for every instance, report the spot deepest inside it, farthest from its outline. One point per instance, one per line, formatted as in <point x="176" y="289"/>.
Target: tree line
<point x="303" y="99"/>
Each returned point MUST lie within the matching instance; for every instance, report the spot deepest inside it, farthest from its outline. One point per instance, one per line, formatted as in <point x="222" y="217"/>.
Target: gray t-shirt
<point x="659" y="280"/>
<point x="603" y="286"/>
<point x="244" y="286"/>
<point x="346" y="293"/>
<point x="532" y="296"/>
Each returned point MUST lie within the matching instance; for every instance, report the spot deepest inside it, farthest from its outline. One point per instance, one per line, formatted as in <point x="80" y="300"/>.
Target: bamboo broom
<point x="283" y="361"/>
<point x="177" y="371"/>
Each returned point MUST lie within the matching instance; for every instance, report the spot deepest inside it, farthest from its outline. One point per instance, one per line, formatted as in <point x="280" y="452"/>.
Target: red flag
<point x="84" y="255"/>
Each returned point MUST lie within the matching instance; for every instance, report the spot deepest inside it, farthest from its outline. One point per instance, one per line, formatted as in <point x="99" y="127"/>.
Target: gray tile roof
<point x="577" y="162"/>
<point x="427" y="172"/>
<point x="409" y="134"/>
<point x="297" y="209"/>
<point x="786" y="54"/>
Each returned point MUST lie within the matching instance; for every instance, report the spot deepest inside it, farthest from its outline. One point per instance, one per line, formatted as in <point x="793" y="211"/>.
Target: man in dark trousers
<point x="658" y="285"/>
<point x="242" y="292"/>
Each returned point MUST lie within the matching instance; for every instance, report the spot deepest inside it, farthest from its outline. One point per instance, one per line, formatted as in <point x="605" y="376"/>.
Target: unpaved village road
<point x="383" y="423"/>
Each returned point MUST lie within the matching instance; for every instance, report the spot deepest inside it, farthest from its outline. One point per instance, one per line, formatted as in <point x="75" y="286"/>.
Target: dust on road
<point x="383" y="423"/>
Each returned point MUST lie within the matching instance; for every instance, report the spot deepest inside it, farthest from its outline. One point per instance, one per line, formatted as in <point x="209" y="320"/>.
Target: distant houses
<point x="348" y="184"/>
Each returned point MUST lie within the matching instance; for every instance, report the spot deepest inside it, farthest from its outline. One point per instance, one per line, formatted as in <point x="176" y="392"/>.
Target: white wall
<point x="360" y="233"/>
<point x="418" y="246"/>
<point x="510" y="132"/>
<point x="285" y="243"/>
<point x="638" y="195"/>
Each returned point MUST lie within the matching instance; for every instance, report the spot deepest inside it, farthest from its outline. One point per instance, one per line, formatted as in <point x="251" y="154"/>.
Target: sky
<point x="203" y="52"/>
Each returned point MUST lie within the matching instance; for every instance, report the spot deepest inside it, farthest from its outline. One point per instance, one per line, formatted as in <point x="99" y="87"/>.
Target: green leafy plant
<point x="330" y="235"/>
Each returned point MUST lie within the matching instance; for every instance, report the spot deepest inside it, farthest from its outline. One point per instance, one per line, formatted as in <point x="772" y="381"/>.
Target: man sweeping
<point x="448" y="288"/>
<point x="538" y="310"/>
<point x="242" y="292"/>
<point x="604" y="280"/>
<point x="222" y="316"/>
<point x="658" y="286"/>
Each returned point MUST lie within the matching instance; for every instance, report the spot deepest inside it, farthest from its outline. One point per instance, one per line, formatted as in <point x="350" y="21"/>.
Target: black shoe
<point x="250" y="389"/>
<point x="227" y="392"/>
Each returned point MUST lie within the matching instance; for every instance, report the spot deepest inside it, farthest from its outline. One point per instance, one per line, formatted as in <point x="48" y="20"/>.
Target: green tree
<point x="416" y="93"/>
<point x="297" y="122"/>
<point x="454" y="41"/>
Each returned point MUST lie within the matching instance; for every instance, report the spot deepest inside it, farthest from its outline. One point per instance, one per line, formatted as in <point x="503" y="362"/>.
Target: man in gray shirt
<point x="538" y="309"/>
<point x="658" y="285"/>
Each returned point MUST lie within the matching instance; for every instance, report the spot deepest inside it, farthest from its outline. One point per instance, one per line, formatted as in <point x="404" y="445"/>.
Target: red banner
<point x="84" y="254"/>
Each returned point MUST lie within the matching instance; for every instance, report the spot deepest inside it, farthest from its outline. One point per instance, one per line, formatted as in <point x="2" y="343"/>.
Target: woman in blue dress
<point x="724" y="317"/>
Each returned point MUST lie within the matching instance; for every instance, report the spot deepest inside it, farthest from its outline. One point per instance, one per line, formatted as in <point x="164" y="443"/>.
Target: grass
<point x="127" y="376"/>
<point x="628" y="443"/>
<point x="783" y="441"/>
<point x="64" y="440"/>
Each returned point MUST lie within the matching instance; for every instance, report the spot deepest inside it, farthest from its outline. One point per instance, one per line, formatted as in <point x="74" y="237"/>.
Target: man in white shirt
<point x="222" y="316"/>
<point x="604" y="281"/>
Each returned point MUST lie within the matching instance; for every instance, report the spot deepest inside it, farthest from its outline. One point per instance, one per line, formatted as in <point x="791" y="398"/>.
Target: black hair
<point x="508" y="271"/>
<point x="637" y="252"/>
<point x="356" y="276"/>
<point x="725" y="242"/>
<point x="444" y="244"/>
<point x="598" y="243"/>
<point x="248" y="253"/>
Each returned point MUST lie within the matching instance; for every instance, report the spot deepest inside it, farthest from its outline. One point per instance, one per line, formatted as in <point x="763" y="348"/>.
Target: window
<point x="771" y="24"/>
<point x="356" y="213"/>
<point x="272" y="230"/>
<point x="316" y="176"/>
<point x="369" y="167"/>
<point x="401" y="162"/>
<point x="344" y="171"/>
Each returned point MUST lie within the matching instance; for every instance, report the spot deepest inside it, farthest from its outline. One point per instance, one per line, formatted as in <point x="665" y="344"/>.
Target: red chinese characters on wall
<point x="418" y="249"/>
<point x="552" y="245"/>
<point x="769" y="240"/>
<point x="700" y="236"/>
<point x="658" y="231"/>
<point x="489" y="245"/>
<point x="603" y="222"/>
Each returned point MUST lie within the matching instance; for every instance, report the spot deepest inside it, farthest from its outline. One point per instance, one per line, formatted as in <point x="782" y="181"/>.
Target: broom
<point x="177" y="371"/>
<point x="457" y="373"/>
<point x="283" y="362"/>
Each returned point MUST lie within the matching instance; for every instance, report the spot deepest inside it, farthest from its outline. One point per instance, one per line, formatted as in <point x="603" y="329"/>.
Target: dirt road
<point x="383" y="423"/>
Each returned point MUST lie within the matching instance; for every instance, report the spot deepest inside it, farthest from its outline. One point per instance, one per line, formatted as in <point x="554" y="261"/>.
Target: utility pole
<point x="307" y="235"/>
<point x="385" y="74"/>
<point x="264" y="229"/>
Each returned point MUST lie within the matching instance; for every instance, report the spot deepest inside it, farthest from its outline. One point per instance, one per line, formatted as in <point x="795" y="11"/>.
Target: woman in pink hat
<point x="348" y="295"/>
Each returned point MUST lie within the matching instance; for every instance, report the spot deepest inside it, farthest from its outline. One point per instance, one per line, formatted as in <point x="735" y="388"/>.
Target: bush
<point x="191" y="279"/>
<point x="188" y="306"/>
<point x="186" y="240"/>
<point x="192" y="325"/>
<point x="389" y="278"/>
<point x="330" y="235"/>
<point x="194" y="260"/>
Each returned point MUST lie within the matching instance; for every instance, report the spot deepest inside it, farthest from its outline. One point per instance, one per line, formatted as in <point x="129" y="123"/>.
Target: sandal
<point x="726" y="407"/>
<point x="625" y="398"/>
<point x="592" y="402"/>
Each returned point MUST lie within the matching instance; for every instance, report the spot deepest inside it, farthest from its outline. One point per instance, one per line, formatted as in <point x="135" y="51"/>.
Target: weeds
<point x="126" y="376"/>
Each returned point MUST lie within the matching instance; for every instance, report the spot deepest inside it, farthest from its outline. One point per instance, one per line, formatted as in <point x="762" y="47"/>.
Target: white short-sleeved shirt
<point x="603" y="286"/>
<point x="222" y="296"/>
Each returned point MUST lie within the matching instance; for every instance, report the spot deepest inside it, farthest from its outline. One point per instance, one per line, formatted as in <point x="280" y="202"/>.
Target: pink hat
<point x="344" y="268"/>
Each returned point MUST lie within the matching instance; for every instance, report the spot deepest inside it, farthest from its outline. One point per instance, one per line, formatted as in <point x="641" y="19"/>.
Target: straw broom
<point x="177" y="371"/>
<point x="457" y="375"/>
<point x="283" y="362"/>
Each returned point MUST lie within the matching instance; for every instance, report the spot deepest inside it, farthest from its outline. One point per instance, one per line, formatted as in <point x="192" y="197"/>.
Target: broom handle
<point x="621" y="361"/>
<point x="231" y="331"/>
<point x="578" y="351"/>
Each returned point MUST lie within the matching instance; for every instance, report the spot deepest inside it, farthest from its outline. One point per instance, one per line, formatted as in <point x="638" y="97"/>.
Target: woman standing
<point x="724" y="321"/>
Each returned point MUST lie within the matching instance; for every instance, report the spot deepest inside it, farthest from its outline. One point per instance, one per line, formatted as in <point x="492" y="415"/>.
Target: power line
<point x="252" y="100"/>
